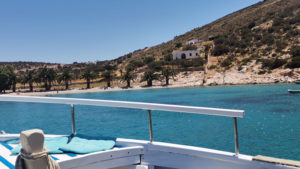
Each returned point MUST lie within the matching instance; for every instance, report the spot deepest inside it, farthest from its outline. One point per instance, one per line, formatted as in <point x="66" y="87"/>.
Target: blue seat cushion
<point x="51" y="143"/>
<point x="83" y="146"/>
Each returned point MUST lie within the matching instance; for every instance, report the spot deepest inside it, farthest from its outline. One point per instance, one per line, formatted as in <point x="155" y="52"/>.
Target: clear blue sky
<point x="65" y="31"/>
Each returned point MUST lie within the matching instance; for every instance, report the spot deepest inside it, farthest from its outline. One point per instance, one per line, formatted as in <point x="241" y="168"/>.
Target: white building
<point x="193" y="41"/>
<point x="187" y="54"/>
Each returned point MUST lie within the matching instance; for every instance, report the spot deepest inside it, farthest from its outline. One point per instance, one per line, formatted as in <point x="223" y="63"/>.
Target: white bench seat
<point x="118" y="156"/>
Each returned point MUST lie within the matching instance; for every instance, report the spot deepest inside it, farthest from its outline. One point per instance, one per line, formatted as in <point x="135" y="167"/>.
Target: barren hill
<point x="259" y="41"/>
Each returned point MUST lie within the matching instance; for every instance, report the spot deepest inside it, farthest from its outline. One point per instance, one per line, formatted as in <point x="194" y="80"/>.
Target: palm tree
<point x="108" y="77"/>
<point x="21" y="79"/>
<point x="128" y="77"/>
<point x="149" y="76"/>
<point x="167" y="73"/>
<point x="13" y="79"/>
<point x="51" y="76"/>
<point x="4" y="79"/>
<point x="47" y="75"/>
<point x="30" y="78"/>
<point x="42" y="77"/>
<point x="88" y="75"/>
<point x="65" y="76"/>
<point x="12" y="76"/>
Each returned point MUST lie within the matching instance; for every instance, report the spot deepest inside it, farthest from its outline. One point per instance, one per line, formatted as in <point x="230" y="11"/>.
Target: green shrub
<point x="156" y="66"/>
<point x="178" y="45"/>
<point x="233" y="42"/>
<point x="271" y="30"/>
<point x="257" y="37"/>
<point x="246" y="60"/>
<point x="228" y="61"/>
<point x="220" y="50"/>
<point x="259" y="44"/>
<point x="168" y="57"/>
<point x="190" y="47"/>
<point x="269" y="48"/>
<point x="198" y="62"/>
<point x="295" y="19"/>
<point x="243" y="44"/>
<point x="186" y="63"/>
<point x="286" y="12"/>
<point x="278" y="63"/>
<point x="221" y="40"/>
<point x="212" y="67"/>
<point x="109" y="67"/>
<point x="280" y="45"/>
<point x="267" y="39"/>
<point x="295" y="51"/>
<point x="278" y="22"/>
<point x="291" y="33"/>
<point x="264" y="52"/>
<point x="251" y="25"/>
<point x="295" y="62"/>
<point x="149" y="59"/>
<point x="273" y="63"/>
<point x="245" y="51"/>
<point x="245" y="32"/>
<point x="166" y="52"/>
<point x="135" y="64"/>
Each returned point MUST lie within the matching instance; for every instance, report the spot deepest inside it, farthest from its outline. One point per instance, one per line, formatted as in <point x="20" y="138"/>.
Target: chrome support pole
<point x="150" y="126"/>
<point x="236" y="139"/>
<point x="73" y="119"/>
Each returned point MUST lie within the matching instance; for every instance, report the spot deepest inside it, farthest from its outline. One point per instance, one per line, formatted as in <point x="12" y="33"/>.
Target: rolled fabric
<point x="35" y="156"/>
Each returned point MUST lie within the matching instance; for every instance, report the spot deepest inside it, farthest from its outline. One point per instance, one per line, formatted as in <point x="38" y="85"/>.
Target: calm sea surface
<point x="271" y="125"/>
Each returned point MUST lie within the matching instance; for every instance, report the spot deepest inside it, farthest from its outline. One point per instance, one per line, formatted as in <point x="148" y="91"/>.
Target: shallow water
<point x="270" y="127"/>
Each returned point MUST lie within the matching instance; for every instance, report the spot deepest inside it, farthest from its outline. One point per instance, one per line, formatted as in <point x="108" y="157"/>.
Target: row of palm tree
<point x="48" y="76"/>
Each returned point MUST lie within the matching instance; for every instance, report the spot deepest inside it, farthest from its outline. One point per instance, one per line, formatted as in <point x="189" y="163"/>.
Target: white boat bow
<point x="139" y="154"/>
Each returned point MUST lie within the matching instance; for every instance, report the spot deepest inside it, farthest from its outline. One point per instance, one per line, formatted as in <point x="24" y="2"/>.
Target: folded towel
<point x="51" y="143"/>
<point x="83" y="146"/>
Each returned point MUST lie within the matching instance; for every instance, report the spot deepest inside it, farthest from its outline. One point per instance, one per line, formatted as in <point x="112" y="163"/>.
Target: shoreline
<point x="192" y="79"/>
<point x="95" y="90"/>
<point x="115" y="89"/>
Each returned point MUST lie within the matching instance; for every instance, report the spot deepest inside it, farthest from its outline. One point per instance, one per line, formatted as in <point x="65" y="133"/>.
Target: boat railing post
<point x="150" y="126"/>
<point x="73" y="119"/>
<point x="236" y="139"/>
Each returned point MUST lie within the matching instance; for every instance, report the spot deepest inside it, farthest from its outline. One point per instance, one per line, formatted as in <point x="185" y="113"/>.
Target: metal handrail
<point x="135" y="105"/>
<point x="126" y="104"/>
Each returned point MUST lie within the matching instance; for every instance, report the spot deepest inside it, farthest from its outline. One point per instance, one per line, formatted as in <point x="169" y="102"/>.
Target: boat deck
<point x="137" y="154"/>
<point x="71" y="160"/>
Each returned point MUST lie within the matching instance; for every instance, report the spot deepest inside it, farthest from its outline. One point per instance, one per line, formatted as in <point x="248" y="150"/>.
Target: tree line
<point x="63" y="76"/>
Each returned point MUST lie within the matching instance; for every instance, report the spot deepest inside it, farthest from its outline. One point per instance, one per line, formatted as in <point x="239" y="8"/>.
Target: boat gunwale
<point x="127" y="104"/>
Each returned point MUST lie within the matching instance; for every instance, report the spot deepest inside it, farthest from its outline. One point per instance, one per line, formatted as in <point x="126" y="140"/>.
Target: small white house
<point x="187" y="54"/>
<point x="193" y="41"/>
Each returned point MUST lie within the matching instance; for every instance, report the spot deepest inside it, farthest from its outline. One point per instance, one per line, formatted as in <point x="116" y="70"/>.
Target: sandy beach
<point x="93" y="90"/>
<point x="191" y="79"/>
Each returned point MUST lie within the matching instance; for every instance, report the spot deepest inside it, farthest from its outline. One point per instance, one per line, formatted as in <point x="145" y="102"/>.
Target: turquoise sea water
<point x="271" y="125"/>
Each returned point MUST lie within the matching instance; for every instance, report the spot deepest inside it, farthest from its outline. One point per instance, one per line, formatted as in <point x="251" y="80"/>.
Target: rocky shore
<point x="196" y="79"/>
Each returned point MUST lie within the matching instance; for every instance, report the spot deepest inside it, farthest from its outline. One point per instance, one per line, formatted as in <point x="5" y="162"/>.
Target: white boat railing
<point x="134" y="105"/>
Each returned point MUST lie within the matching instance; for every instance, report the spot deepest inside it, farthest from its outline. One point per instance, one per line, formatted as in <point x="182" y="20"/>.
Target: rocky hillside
<point x="258" y="40"/>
